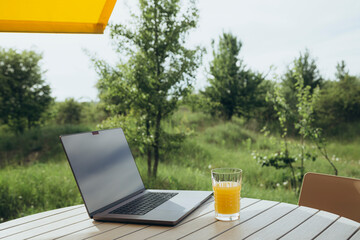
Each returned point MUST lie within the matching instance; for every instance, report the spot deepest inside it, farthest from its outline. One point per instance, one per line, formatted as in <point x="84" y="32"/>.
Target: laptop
<point x="111" y="186"/>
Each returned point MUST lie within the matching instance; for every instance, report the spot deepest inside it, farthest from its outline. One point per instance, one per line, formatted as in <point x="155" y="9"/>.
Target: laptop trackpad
<point x="168" y="210"/>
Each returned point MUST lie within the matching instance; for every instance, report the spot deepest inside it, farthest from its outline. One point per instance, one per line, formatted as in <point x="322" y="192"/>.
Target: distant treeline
<point x="233" y="89"/>
<point x="237" y="90"/>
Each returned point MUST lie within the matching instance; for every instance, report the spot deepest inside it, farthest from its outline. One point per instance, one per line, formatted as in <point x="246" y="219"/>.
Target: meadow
<point x="35" y="175"/>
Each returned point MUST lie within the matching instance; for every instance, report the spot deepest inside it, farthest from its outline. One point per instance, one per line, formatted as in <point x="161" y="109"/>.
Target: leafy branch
<point x="304" y="116"/>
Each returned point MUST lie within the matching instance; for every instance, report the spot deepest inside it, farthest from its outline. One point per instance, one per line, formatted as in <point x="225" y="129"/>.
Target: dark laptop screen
<point x="103" y="166"/>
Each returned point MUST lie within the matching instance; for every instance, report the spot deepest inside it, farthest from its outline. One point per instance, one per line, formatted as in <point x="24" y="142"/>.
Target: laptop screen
<point x="103" y="166"/>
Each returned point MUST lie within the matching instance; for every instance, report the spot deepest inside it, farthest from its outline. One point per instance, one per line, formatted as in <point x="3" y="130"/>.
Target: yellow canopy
<point x="55" y="16"/>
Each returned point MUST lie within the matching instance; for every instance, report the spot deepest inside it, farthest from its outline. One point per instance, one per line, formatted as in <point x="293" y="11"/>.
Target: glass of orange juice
<point x="226" y="184"/>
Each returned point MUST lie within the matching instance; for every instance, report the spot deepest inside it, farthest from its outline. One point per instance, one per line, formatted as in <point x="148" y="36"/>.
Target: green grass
<point x="47" y="183"/>
<point x="35" y="188"/>
<point x="38" y="144"/>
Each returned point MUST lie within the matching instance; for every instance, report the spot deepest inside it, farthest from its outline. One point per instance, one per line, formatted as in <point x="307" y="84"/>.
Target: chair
<point x="339" y="195"/>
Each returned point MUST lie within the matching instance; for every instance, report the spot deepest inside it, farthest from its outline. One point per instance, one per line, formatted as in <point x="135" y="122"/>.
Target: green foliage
<point x="197" y="102"/>
<point x="264" y="112"/>
<point x="194" y="121"/>
<point x="92" y="112"/>
<point x="224" y="70"/>
<point x="233" y="90"/>
<point x="158" y="72"/>
<point x="339" y="101"/>
<point x="37" y="144"/>
<point x="24" y="96"/>
<point x="283" y="158"/>
<point x="69" y="112"/>
<point x="230" y="134"/>
<point x="36" y="188"/>
<point x="73" y="112"/>
<point x="305" y="67"/>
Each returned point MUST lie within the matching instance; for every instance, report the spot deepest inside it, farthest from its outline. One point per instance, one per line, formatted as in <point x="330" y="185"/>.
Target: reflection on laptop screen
<point x="103" y="166"/>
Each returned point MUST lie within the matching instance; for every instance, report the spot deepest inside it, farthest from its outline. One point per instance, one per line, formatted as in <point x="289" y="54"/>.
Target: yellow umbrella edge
<point x="60" y="27"/>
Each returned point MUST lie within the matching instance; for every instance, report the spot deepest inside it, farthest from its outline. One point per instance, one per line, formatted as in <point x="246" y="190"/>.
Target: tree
<point x="286" y="158"/>
<point x="341" y="71"/>
<point x="339" y="101"/>
<point x="233" y="89"/>
<point x="156" y="72"/>
<point x="69" y="112"/>
<point x="24" y="96"/>
<point x="307" y="70"/>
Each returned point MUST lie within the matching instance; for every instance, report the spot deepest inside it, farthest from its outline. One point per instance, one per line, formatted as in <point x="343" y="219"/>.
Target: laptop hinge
<point x="115" y="203"/>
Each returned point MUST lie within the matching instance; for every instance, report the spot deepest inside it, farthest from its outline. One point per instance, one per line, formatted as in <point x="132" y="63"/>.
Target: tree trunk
<point x="157" y="142"/>
<point x="158" y="116"/>
<point x="149" y="162"/>
<point x="148" y="149"/>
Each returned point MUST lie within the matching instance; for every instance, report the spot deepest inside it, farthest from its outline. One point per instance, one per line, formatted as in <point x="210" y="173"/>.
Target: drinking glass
<point x="226" y="184"/>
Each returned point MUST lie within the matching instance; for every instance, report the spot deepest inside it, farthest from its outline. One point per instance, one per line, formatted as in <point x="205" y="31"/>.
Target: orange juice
<point x="227" y="197"/>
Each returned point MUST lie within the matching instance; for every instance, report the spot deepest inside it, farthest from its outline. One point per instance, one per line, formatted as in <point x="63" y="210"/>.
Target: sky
<point x="273" y="33"/>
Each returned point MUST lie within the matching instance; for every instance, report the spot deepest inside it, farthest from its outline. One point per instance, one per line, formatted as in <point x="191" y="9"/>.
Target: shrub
<point x="69" y="112"/>
<point x="339" y="102"/>
<point x="38" y="144"/>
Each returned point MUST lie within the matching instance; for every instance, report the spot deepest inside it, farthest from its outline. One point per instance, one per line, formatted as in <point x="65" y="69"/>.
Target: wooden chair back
<point x="339" y="195"/>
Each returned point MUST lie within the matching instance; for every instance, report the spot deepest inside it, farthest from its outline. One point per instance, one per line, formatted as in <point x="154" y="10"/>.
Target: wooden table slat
<point x="83" y="233"/>
<point x="153" y="230"/>
<point x="259" y="219"/>
<point x="42" y="221"/>
<point x="120" y="231"/>
<point x="129" y="229"/>
<point x="36" y="217"/>
<point x="95" y="231"/>
<point x="313" y="226"/>
<point x="343" y="228"/>
<point x="209" y="218"/>
<point x="146" y="231"/>
<point x="49" y="227"/>
<point x="66" y="230"/>
<point x="356" y="235"/>
<point x="202" y="220"/>
<point x="284" y="224"/>
<point x="245" y="226"/>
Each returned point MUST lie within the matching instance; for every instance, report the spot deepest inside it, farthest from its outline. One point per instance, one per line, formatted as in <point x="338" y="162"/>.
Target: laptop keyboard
<point x="144" y="204"/>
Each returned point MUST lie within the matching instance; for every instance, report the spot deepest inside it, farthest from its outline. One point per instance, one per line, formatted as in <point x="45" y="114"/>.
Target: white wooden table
<point x="259" y="219"/>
